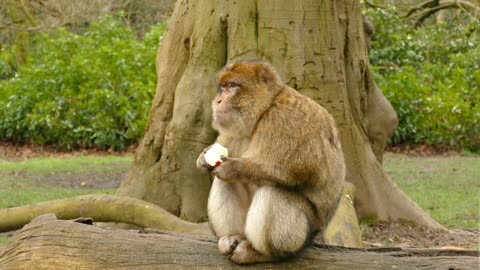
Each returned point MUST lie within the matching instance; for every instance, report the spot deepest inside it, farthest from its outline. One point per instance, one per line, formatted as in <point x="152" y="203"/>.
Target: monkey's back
<point x="298" y="134"/>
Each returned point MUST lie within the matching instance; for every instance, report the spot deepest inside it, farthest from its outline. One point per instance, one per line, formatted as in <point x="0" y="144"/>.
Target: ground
<point x="106" y="175"/>
<point x="402" y="235"/>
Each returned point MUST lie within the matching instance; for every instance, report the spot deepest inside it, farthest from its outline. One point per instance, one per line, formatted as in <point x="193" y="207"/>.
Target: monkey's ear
<point x="268" y="74"/>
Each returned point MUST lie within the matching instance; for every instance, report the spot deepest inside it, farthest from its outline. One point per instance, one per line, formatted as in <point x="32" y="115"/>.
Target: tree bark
<point x="20" y="15"/>
<point x="319" y="49"/>
<point x="48" y="243"/>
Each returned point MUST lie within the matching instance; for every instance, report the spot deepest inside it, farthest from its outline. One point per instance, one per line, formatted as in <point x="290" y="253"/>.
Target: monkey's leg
<point x="227" y="209"/>
<point x="277" y="226"/>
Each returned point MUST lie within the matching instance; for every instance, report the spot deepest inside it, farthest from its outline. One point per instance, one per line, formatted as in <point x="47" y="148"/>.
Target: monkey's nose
<point x="219" y="101"/>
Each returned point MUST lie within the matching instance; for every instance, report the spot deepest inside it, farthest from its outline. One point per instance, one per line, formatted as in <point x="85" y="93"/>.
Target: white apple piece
<point x="212" y="156"/>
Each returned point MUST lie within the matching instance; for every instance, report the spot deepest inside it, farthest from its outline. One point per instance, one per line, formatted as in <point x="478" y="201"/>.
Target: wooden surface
<point x="48" y="243"/>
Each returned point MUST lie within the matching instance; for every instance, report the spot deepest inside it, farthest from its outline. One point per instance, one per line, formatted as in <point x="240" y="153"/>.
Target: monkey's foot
<point x="244" y="253"/>
<point x="227" y="244"/>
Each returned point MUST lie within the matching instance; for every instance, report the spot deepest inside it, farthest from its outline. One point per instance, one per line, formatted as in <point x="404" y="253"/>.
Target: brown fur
<point x="285" y="169"/>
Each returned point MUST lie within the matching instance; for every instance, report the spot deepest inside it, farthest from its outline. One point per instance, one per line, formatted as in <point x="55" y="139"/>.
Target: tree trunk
<point x="48" y="243"/>
<point x="20" y="16"/>
<point x="319" y="49"/>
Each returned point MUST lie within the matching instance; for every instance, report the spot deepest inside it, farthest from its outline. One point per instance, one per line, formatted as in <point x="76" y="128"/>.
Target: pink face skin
<point x="224" y="114"/>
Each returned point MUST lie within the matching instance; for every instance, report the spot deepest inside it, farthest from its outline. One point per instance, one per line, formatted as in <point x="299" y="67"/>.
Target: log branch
<point x="48" y="243"/>
<point x="102" y="208"/>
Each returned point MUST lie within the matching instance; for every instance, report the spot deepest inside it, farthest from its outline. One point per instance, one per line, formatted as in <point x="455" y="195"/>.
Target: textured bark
<point x="319" y="49"/>
<point x="47" y="243"/>
<point x="343" y="229"/>
<point x="164" y="169"/>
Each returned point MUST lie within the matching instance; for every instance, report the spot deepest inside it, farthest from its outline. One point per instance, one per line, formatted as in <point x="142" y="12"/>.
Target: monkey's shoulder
<point x="298" y="108"/>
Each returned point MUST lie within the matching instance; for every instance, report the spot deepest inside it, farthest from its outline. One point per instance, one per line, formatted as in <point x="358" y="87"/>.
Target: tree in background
<point x="319" y="47"/>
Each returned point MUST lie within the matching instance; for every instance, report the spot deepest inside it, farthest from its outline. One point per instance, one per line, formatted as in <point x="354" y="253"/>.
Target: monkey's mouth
<point x="224" y="116"/>
<point x="221" y="117"/>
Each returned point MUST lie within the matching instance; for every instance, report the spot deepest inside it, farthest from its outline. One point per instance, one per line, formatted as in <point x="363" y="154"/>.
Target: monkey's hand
<point x="202" y="163"/>
<point x="228" y="170"/>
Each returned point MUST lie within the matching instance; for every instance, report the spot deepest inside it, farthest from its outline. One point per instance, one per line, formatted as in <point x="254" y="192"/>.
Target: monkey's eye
<point x="232" y="86"/>
<point x="227" y="86"/>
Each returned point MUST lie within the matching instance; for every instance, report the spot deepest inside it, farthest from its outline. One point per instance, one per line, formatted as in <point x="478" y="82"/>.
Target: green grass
<point x="21" y="182"/>
<point x="47" y="165"/>
<point x="448" y="188"/>
<point x="3" y="239"/>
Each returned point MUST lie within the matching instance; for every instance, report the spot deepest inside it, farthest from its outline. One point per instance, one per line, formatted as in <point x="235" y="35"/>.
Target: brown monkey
<point x="285" y="170"/>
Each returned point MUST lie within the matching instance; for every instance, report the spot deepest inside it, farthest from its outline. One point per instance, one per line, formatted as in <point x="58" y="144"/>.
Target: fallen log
<point x="48" y="243"/>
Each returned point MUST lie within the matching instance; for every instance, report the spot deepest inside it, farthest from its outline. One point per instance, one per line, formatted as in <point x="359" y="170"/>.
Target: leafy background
<point x="89" y="90"/>
<point x="431" y="77"/>
<point x="94" y="89"/>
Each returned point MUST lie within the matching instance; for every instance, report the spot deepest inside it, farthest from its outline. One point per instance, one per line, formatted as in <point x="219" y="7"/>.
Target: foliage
<point x="7" y="63"/>
<point x="431" y="78"/>
<point x="91" y="90"/>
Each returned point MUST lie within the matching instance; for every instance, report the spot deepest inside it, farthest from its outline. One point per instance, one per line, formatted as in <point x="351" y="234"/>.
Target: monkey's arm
<point x="256" y="172"/>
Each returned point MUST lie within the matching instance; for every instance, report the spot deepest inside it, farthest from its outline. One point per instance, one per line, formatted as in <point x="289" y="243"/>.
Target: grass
<point x="24" y="182"/>
<point x="47" y="165"/>
<point x="448" y="188"/>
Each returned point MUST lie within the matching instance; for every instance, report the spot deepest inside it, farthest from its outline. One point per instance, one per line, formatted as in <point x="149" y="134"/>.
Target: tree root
<point x="102" y="208"/>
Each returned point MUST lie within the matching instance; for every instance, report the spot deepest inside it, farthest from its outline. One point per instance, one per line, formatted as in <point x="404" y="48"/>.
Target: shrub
<point x="91" y="90"/>
<point x="431" y="77"/>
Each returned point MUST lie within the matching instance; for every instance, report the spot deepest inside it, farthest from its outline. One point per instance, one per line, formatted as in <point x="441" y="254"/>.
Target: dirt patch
<point x="422" y="150"/>
<point x="10" y="151"/>
<point x="107" y="178"/>
<point x="84" y="179"/>
<point x="103" y="179"/>
<point x="400" y="235"/>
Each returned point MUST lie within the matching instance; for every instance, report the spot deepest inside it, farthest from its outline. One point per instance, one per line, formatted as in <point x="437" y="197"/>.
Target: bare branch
<point x="426" y="9"/>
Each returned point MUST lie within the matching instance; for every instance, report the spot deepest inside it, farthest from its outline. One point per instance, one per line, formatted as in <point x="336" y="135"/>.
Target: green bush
<point x="91" y="90"/>
<point x="431" y="75"/>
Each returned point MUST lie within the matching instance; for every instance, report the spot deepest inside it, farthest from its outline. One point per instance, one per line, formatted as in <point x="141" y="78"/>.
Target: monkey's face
<point x="226" y="115"/>
<point x="245" y="91"/>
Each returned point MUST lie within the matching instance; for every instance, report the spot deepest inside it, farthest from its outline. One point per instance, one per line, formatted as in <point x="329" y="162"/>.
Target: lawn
<point x="42" y="179"/>
<point x="447" y="187"/>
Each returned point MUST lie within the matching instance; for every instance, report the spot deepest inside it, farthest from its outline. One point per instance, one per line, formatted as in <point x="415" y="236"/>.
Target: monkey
<point x="285" y="171"/>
